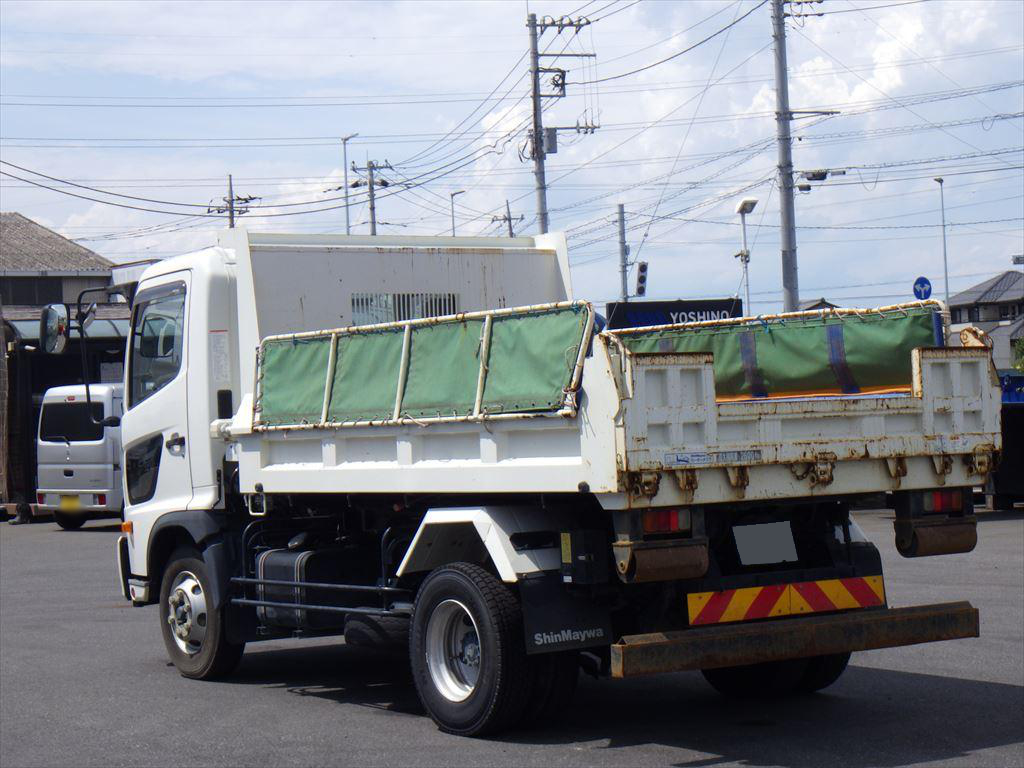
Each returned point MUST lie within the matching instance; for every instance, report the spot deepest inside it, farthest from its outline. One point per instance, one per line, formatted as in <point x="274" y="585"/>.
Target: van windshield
<point x="70" y="422"/>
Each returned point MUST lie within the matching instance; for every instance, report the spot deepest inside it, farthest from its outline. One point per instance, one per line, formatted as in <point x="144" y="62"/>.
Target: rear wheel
<point x="554" y="677"/>
<point x="765" y="680"/>
<point x="467" y="652"/>
<point x="69" y="522"/>
<point x="193" y="630"/>
<point x="822" y="671"/>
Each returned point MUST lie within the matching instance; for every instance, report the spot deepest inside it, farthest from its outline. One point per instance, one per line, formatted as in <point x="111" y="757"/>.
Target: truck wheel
<point x="822" y="671"/>
<point x="193" y="631"/>
<point x="467" y="651"/>
<point x="69" y="522"/>
<point x="554" y="677"/>
<point x="755" y="681"/>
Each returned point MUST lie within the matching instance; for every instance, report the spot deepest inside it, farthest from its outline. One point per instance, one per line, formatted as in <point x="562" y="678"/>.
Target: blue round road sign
<point x="922" y="288"/>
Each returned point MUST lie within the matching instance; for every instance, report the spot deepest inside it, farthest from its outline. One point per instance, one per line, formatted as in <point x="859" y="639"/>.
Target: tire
<point x="770" y="679"/>
<point x="822" y="671"/>
<point x="388" y="633"/>
<point x="69" y="522"/>
<point x="201" y="651"/>
<point x="483" y="688"/>
<point x="554" y="677"/>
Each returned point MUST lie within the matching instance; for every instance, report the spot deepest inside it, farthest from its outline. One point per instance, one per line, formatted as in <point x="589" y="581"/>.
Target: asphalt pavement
<point x="84" y="681"/>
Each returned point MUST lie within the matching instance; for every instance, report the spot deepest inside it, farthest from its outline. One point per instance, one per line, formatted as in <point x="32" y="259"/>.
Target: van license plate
<point x="69" y="503"/>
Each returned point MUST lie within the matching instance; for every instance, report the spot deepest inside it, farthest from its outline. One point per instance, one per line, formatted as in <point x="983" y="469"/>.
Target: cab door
<point x="154" y="428"/>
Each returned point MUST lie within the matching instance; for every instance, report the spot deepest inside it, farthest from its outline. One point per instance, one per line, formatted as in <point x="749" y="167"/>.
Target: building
<point x="996" y="306"/>
<point x="821" y="303"/>
<point x="40" y="267"/>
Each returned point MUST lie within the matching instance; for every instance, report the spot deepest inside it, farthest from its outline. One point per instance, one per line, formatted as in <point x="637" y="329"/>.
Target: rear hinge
<point x="981" y="461"/>
<point x="739" y="478"/>
<point x="643" y="484"/>
<point x="943" y="465"/>
<point x="897" y="466"/>
<point x="687" y="479"/>
<point x="819" y="471"/>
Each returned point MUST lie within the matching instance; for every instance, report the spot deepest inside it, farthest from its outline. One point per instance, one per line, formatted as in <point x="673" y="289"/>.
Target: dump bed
<point x="533" y="400"/>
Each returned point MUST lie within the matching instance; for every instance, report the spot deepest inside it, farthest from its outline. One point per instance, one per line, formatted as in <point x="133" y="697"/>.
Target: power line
<point x="699" y="43"/>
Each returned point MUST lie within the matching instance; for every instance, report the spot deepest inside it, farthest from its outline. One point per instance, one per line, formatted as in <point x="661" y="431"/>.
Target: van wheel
<point x="467" y="651"/>
<point x="822" y="671"/>
<point x="69" y="522"/>
<point x="193" y="631"/>
<point x="754" y="681"/>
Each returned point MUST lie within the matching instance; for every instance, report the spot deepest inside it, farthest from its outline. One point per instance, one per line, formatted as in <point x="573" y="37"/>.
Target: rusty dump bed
<point x="774" y="640"/>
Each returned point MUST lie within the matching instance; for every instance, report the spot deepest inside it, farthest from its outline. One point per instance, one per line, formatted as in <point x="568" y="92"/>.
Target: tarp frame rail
<point x="568" y="410"/>
<point x="803" y="314"/>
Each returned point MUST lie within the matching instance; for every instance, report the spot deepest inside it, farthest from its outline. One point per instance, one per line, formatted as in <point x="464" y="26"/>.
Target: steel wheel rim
<point x="453" y="650"/>
<point x="186" y="613"/>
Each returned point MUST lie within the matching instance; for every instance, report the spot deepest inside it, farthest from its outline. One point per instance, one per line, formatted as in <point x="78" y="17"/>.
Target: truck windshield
<point x="70" y="422"/>
<point x="156" y="344"/>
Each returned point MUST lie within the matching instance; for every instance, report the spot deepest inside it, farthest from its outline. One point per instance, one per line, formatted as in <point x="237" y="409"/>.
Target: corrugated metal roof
<point x="1008" y="286"/>
<point x="26" y="246"/>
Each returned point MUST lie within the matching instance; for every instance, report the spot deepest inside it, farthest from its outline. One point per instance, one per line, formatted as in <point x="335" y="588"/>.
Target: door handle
<point x="174" y="441"/>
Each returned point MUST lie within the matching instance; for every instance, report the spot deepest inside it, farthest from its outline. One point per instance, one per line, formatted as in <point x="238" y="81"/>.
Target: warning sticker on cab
<point x="703" y="459"/>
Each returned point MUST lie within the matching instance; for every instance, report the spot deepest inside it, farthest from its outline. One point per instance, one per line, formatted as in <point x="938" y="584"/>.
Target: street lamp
<point x="745" y="206"/>
<point x="452" y="198"/>
<point x="344" y="154"/>
<point x="945" y="264"/>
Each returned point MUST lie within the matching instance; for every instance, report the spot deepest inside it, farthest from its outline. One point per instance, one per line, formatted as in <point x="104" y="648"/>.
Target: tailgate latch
<point x="819" y="471"/>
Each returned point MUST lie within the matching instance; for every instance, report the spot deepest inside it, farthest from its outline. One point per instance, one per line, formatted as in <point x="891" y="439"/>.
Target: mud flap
<point x="557" y="618"/>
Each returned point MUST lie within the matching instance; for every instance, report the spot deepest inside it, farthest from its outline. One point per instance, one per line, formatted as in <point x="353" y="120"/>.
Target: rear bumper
<point x="752" y="643"/>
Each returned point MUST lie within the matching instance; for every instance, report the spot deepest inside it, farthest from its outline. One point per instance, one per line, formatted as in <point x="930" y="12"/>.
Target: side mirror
<point x="111" y="421"/>
<point x="53" y="329"/>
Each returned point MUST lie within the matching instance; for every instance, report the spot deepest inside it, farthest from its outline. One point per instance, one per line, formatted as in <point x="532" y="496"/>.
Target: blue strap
<point x="837" y="359"/>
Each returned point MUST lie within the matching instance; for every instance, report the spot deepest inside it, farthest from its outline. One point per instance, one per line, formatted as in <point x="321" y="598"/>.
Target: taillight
<point x="943" y="501"/>
<point x="40" y="498"/>
<point x="666" y="520"/>
<point x="101" y="499"/>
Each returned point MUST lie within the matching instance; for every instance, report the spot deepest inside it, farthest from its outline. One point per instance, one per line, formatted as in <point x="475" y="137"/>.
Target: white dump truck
<point x="431" y="441"/>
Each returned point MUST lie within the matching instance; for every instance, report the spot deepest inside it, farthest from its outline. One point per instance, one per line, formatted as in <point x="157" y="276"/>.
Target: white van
<point x="79" y="460"/>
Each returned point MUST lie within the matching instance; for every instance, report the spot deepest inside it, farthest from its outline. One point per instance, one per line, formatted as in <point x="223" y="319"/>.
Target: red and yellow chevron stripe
<point x="785" y="600"/>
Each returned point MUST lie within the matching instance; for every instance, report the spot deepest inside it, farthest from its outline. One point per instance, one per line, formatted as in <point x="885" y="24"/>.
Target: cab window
<point x="158" y="324"/>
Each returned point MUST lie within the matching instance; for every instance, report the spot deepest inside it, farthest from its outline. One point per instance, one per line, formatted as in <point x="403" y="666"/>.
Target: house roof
<point x="821" y="303"/>
<point x="1009" y="286"/>
<point x="27" y="248"/>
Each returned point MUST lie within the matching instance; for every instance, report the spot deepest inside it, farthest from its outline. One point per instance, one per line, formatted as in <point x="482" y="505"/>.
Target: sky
<point x="152" y="105"/>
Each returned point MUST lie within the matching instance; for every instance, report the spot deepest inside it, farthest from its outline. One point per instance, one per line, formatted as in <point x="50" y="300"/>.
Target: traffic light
<point x="641" y="278"/>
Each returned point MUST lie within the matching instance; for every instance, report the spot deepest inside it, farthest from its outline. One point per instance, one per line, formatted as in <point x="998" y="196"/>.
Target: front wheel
<point x="193" y="630"/>
<point x="467" y="651"/>
<point x="69" y="522"/>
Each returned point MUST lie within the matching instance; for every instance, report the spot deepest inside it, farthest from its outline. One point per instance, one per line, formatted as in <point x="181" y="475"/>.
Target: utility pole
<point x="623" y="254"/>
<point x="945" y="263"/>
<point x="372" y="185"/>
<point x="544" y="141"/>
<point x="230" y="202"/>
<point x="537" y="148"/>
<point x="783" y="116"/>
<point x="451" y="197"/>
<point x="508" y="219"/>
<point x="344" y="166"/>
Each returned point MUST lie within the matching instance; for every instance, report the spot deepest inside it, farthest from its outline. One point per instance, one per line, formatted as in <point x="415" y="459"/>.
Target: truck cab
<point x="79" y="459"/>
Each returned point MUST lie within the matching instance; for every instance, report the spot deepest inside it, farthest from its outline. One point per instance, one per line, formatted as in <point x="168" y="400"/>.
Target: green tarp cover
<point x="530" y="364"/>
<point x="829" y="354"/>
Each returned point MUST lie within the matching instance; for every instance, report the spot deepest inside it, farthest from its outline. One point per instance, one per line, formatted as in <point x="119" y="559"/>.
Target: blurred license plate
<point x="765" y="543"/>
<point x="70" y="502"/>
